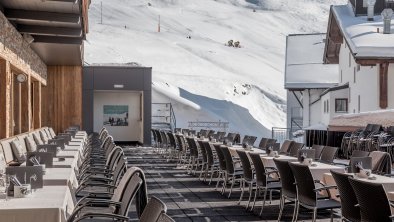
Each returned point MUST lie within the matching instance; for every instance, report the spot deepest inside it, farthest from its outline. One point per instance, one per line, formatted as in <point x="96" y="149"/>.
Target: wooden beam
<point x="25" y="105"/>
<point x="50" y="31"/>
<point x="5" y="99"/>
<point x="26" y="15"/>
<point x="58" y="40"/>
<point x="383" y="85"/>
<point x="71" y="1"/>
<point x="36" y="104"/>
<point x="373" y="62"/>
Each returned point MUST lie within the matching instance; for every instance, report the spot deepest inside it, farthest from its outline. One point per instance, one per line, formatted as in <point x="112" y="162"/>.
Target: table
<point x="233" y="150"/>
<point x="55" y="201"/>
<point x="51" y="203"/>
<point x="268" y="161"/>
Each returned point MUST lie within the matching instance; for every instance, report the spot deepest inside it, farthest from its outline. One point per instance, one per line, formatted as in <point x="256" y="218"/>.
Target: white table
<point x="268" y="161"/>
<point x="49" y="204"/>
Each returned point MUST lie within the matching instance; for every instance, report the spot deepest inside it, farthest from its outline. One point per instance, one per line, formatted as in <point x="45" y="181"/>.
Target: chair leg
<point x="296" y="211"/>
<point x="255" y="196"/>
<point x="225" y="177"/>
<point x="250" y="194"/>
<point x="262" y="207"/>
<point x="332" y="215"/>
<point x="242" y="191"/>
<point x="281" y="206"/>
<point x="219" y="178"/>
<point x="232" y="185"/>
<point x="314" y="215"/>
<point x="210" y="181"/>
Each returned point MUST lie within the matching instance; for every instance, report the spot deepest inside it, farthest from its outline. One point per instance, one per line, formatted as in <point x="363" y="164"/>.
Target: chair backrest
<point x="261" y="176"/>
<point x="209" y="153"/>
<point x="193" y="147"/>
<point x="286" y="178"/>
<point x="203" y="151"/>
<point x="308" y="153"/>
<point x="304" y="183"/>
<point x="132" y="187"/>
<point x="366" y="162"/>
<point x="284" y="149"/>
<point x="360" y="153"/>
<point x="328" y="154"/>
<point x="153" y="210"/>
<point x="348" y="198"/>
<point x="219" y="153"/>
<point x="374" y="205"/>
<point x="165" y="218"/>
<point x="164" y="139"/>
<point x="263" y="143"/>
<point x="249" y="140"/>
<point x="381" y="162"/>
<point x="120" y="169"/>
<point x="247" y="168"/>
<point x="318" y="150"/>
<point x="171" y="139"/>
<point x="270" y="143"/>
<point x="228" y="158"/>
<point x="293" y="151"/>
<point x="181" y="143"/>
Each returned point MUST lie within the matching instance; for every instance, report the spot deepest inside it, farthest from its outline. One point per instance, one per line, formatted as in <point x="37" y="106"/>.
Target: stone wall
<point x="17" y="51"/>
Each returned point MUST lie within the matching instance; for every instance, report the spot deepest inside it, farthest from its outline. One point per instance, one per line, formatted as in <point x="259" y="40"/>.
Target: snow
<point x="380" y="117"/>
<point x="304" y="63"/>
<point x="204" y="79"/>
<point x="362" y="35"/>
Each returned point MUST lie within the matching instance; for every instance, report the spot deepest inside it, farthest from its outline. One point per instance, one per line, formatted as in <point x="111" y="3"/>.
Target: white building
<point x="308" y="80"/>
<point x="364" y="55"/>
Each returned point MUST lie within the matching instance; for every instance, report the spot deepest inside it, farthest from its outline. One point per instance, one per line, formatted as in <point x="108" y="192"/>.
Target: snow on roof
<point x="304" y="63"/>
<point x="362" y="36"/>
<point x="360" y="120"/>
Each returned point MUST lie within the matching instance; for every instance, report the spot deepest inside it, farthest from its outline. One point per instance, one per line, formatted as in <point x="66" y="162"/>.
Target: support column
<point x="5" y="99"/>
<point x="36" y="104"/>
<point x="26" y="106"/>
<point x="383" y="88"/>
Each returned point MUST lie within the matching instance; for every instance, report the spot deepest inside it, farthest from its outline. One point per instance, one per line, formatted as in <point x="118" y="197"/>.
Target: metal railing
<point x="163" y="114"/>
<point x="281" y="134"/>
<point x="209" y="125"/>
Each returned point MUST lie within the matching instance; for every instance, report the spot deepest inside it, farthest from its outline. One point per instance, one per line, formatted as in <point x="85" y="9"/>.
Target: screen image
<point x="116" y="115"/>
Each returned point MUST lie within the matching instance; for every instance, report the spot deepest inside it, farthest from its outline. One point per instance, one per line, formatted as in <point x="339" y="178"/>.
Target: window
<point x="359" y="103"/>
<point x="341" y="105"/>
<point x="350" y="61"/>
<point x="324" y="102"/>
<point x="354" y="75"/>
<point x="328" y="107"/>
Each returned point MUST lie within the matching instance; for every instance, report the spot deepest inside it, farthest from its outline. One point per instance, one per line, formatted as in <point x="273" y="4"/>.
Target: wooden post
<point x="25" y="105"/>
<point x="36" y="104"/>
<point x="383" y="88"/>
<point x="5" y="99"/>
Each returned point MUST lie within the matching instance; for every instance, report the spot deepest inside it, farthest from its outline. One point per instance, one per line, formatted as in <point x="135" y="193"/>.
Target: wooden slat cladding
<point x="334" y="40"/>
<point x="5" y="99"/>
<point x="383" y="87"/>
<point x="62" y="98"/>
<point x="36" y="104"/>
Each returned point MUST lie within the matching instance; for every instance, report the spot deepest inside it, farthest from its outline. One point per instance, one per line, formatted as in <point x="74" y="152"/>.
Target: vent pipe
<point x="387" y="14"/>
<point x="371" y="9"/>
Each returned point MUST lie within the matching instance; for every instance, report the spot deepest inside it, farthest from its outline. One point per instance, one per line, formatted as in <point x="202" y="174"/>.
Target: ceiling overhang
<point x="56" y="28"/>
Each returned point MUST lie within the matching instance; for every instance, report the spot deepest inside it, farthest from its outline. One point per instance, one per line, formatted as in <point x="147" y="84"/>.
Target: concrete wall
<point x="363" y="82"/>
<point x="103" y="78"/>
<point x="292" y="103"/>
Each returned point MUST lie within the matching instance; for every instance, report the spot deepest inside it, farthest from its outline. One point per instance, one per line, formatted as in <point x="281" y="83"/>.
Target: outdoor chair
<point x="222" y="165"/>
<point x="232" y="174"/>
<point x="328" y="154"/>
<point x="263" y="143"/>
<point x="212" y="166"/>
<point x="248" y="177"/>
<point x="381" y="162"/>
<point x="372" y="201"/>
<point x="294" y="148"/>
<point x="289" y="191"/>
<point x="360" y="153"/>
<point x="263" y="180"/>
<point x="349" y="209"/>
<point x="318" y="150"/>
<point x="153" y="210"/>
<point x="308" y="153"/>
<point x="115" y="208"/>
<point x="307" y="192"/>
<point x="366" y="163"/>
<point x="204" y="163"/>
<point x="285" y="148"/>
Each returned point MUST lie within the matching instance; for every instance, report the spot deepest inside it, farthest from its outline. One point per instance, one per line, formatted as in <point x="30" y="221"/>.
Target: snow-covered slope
<point x="203" y="78"/>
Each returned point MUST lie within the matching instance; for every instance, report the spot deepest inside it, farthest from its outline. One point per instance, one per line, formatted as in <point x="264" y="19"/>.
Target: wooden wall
<point x="62" y="97"/>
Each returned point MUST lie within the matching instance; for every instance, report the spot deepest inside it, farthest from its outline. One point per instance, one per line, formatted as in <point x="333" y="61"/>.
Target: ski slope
<point x="203" y="78"/>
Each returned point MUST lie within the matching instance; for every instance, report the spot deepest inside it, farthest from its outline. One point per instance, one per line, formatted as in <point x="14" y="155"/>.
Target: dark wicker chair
<point x="285" y="148"/>
<point x="349" y="210"/>
<point x="293" y="151"/>
<point x="263" y="183"/>
<point x="328" y="154"/>
<point x="248" y="177"/>
<point x="309" y="153"/>
<point x="372" y="200"/>
<point x="153" y="209"/>
<point x="307" y="193"/>
<point x="212" y="165"/>
<point x="318" y="150"/>
<point x="365" y="161"/>
<point x="360" y="153"/>
<point x="204" y="163"/>
<point x="232" y="174"/>
<point x="222" y="165"/>
<point x="289" y="191"/>
<point x="263" y="143"/>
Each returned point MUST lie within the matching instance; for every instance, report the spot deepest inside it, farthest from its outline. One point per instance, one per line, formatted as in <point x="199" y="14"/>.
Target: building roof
<point x="51" y="27"/>
<point x="360" y="35"/>
<point x="304" y="63"/>
<point x="350" y="122"/>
